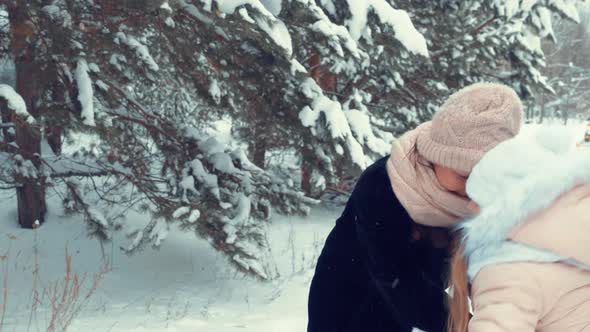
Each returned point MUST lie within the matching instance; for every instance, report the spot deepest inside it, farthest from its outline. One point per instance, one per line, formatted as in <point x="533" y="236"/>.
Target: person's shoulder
<point x="373" y="176"/>
<point x="373" y="194"/>
<point x="523" y="276"/>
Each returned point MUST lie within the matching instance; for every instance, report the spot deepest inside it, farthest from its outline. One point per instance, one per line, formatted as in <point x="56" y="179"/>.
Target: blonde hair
<point x="459" y="283"/>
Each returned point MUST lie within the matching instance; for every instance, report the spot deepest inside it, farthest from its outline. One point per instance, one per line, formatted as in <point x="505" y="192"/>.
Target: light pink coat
<point x="523" y="296"/>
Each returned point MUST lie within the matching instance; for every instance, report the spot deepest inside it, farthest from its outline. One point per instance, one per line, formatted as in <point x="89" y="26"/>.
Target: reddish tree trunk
<point x="54" y="139"/>
<point x="7" y="132"/>
<point x="326" y="80"/>
<point x="53" y="132"/>
<point x="258" y="152"/>
<point x="31" y="192"/>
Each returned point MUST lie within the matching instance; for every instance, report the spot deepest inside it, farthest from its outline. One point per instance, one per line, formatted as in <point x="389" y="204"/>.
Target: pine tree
<point x="568" y="66"/>
<point x="121" y="100"/>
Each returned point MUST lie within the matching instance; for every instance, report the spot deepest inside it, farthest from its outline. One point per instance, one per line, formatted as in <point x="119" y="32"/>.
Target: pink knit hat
<point x="471" y="122"/>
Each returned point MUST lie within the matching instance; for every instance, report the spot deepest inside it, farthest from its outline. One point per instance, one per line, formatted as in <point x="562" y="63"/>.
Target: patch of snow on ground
<point x="184" y="286"/>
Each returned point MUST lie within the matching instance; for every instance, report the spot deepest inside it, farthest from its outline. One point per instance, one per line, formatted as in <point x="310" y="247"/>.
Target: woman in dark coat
<point x="383" y="266"/>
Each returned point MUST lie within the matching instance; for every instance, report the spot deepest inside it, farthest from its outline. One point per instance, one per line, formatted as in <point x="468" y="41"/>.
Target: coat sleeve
<point x="505" y="299"/>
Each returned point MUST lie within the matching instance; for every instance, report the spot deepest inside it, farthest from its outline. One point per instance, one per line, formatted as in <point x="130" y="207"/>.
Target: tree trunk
<point x="529" y="113"/>
<point x="257" y="151"/>
<point x="326" y="80"/>
<point x="542" y="115"/>
<point x="307" y="161"/>
<point x="54" y="139"/>
<point x="257" y="132"/>
<point x="54" y="131"/>
<point x="31" y="191"/>
<point x="5" y="115"/>
<point x="567" y="110"/>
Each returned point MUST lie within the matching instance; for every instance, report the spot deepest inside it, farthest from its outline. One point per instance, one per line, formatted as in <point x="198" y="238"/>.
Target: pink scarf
<point x="417" y="188"/>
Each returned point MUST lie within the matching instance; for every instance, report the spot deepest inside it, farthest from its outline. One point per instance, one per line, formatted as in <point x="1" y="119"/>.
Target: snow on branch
<point x="277" y="30"/>
<point x="335" y="118"/>
<point x="15" y="102"/>
<point x="360" y="124"/>
<point x="398" y="20"/>
<point x="338" y="36"/>
<point x="96" y="221"/>
<point x="85" y="92"/>
<point x="140" y="49"/>
<point x="566" y="8"/>
<point x="266" y="21"/>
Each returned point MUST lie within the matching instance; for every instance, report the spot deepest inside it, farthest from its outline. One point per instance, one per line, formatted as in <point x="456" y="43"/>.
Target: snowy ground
<point x="184" y="286"/>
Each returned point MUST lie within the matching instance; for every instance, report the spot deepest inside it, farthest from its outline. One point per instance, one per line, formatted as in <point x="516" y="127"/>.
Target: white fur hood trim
<point x="548" y="177"/>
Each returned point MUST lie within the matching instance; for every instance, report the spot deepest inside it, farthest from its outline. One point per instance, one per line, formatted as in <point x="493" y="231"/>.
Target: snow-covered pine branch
<point x="313" y="91"/>
<point x="15" y="102"/>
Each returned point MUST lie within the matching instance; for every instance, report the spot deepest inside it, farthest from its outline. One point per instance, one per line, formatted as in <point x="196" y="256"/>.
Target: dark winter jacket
<point x="371" y="275"/>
